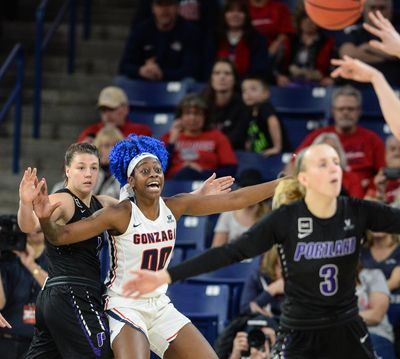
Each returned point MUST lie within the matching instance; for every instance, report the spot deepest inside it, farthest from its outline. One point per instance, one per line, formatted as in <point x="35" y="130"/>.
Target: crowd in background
<point x="238" y="49"/>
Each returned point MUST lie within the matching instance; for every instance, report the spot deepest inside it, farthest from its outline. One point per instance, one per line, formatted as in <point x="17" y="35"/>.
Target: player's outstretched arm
<point x="389" y="38"/>
<point x="357" y="70"/>
<point x="110" y="218"/>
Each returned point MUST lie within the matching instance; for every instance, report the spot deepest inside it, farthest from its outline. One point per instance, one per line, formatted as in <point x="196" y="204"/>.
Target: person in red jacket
<point x="196" y="151"/>
<point x="365" y="150"/>
<point x="114" y="109"/>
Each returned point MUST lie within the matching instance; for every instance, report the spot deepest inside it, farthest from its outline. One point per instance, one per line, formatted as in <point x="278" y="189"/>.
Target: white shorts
<point x="156" y="318"/>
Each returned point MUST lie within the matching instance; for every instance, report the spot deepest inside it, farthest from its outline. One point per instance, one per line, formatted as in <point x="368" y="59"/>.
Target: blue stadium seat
<point x="378" y="126"/>
<point x="303" y="102"/>
<point x="371" y="109"/>
<point x="197" y="86"/>
<point x="298" y="128"/>
<point x="269" y="167"/>
<point x="234" y="276"/>
<point x="152" y="95"/>
<point x="159" y="122"/>
<point x="177" y="257"/>
<point x="191" y="233"/>
<point x="205" y="305"/>
<point x="172" y="187"/>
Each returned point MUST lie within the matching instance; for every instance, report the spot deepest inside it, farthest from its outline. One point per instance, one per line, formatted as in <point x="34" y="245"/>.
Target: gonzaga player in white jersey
<point x="142" y="235"/>
<point x="146" y="244"/>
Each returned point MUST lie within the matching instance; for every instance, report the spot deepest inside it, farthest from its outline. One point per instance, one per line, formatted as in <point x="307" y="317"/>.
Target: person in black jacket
<point x="319" y="240"/>
<point x="162" y="48"/>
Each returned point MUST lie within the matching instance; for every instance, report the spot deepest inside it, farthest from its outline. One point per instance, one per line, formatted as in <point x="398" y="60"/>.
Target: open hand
<point x="28" y="189"/>
<point x="385" y="31"/>
<point x="41" y="204"/>
<point x="213" y="185"/>
<point x="142" y="282"/>
<point x="353" y="69"/>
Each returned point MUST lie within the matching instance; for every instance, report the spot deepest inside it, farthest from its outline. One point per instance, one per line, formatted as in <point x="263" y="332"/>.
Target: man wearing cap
<point x="162" y="48"/>
<point x="114" y="108"/>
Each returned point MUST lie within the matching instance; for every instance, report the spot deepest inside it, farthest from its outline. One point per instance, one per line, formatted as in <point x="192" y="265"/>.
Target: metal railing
<point x="41" y="42"/>
<point x="16" y="56"/>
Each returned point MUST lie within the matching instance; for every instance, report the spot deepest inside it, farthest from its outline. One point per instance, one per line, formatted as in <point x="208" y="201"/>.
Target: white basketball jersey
<point x="146" y="244"/>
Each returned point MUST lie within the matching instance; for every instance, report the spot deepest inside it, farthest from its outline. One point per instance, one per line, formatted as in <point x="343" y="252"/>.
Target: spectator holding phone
<point x="386" y="184"/>
<point x="21" y="277"/>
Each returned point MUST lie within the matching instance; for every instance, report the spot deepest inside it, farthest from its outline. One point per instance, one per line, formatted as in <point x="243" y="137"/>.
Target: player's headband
<point x="135" y="160"/>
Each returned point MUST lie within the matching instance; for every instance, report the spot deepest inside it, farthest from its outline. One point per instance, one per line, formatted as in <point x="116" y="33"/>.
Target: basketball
<point x="334" y="14"/>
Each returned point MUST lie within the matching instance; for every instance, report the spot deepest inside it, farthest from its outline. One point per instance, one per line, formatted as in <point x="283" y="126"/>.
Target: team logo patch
<point x="101" y="337"/>
<point x="348" y="226"/>
<point x="170" y="219"/>
<point x="304" y="227"/>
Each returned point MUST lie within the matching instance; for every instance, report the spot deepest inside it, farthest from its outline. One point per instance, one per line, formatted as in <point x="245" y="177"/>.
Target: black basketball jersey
<point x="79" y="259"/>
<point x="319" y="257"/>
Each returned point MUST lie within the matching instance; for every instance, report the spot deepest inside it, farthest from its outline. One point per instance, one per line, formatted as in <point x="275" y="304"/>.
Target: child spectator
<point x="195" y="150"/>
<point x="226" y="109"/>
<point x="265" y="133"/>
<point x="231" y="225"/>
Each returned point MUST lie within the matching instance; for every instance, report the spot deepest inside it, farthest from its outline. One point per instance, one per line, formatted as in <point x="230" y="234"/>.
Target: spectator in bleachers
<point x="386" y="184"/>
<point x="164" y="47"/>
<point x="356" y="44"/>
<point x="113" y="106"/>
<point x="351" y="184"/>
<point x="365" y="150"/>
<point x="273" y="19"/>
<point x="263" y="289"/>
<point x="239" y="41"/>
<point x="224" y="102"/>
<point x="265" y="133"/>
<point x="204" y="14"/>
<point x="382" y="251"/>
<point x="195" y="150"/>
<point x="244" y="344"/>
<point x="21" y="277"/>
<point x="231" y="225"/>
<point x="311" y="52"/>
<point x="373" y="302"/>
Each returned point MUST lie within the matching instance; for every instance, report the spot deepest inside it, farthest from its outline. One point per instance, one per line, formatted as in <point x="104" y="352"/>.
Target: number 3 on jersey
<point x="155" y="259"/>
<point x="329" y="286"/>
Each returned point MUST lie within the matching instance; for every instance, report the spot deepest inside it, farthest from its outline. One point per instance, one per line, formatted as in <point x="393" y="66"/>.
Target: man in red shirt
<point x="114" y="109"/>
<point x="365" y="150"/>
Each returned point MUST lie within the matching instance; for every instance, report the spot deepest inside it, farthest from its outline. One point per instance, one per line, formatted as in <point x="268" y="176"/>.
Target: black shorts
<point x="350" y="340"/>
<point x="70" y="324"/>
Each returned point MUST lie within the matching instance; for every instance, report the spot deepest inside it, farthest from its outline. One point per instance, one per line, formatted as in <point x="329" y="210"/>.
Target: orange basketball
<point x="334" y="14"/>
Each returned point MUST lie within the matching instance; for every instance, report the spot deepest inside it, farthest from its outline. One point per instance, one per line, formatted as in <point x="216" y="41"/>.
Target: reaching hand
<point x="4" y="323"/>
<point x="41" y="204"/>
<point x="384" y="30"/>
<point x="353" y="69"/>
<point x="213" y="185"/>
<point x="143" y="282"/>
<point x="28" y="189"/>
